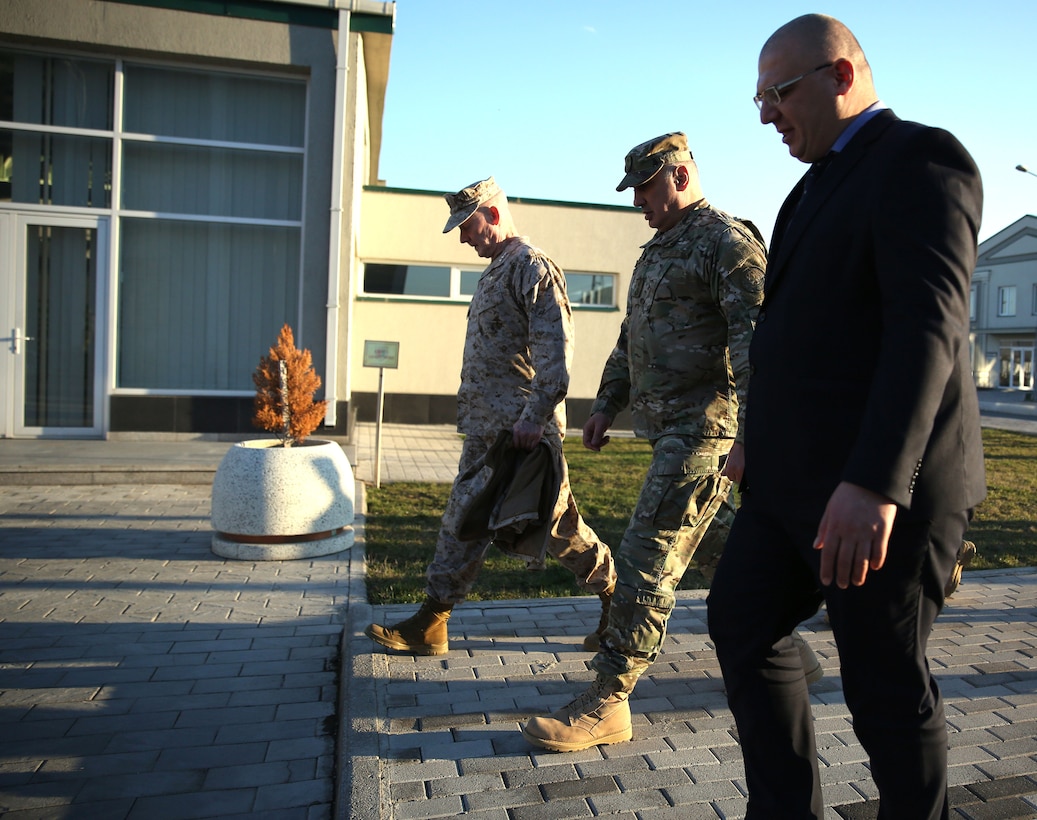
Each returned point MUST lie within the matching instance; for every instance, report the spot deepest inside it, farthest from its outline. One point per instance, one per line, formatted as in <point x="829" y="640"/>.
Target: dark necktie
<point x="815" y="171"/>
<point x="809" y="179"/>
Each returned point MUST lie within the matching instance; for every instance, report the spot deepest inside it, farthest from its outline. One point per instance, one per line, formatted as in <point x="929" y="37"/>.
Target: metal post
<point x="1033" y="355"/>
<point x="378" y="429"/>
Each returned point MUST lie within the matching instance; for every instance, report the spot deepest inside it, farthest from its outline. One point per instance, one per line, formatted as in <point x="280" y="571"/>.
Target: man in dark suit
<point x="863" y="454"/>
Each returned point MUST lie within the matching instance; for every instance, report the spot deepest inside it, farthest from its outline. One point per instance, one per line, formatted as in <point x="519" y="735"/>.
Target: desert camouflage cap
<point x="648" y="158"/>
<point x="467" y="201"/>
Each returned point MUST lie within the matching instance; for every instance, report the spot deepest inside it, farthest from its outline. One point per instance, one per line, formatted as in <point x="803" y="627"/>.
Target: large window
<point x="1006" y="300"/>
<point x="458" y="284"/>
<point x="210" y="251"/>
<point x="208" y="211"/>
<point x="200" y="302"/>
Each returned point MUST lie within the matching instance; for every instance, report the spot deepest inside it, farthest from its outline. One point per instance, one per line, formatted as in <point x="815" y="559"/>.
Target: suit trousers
<point x="766" y="583"/>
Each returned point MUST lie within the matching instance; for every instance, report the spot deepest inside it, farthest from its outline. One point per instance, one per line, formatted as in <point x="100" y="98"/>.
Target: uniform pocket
<point x="681" y="488"/>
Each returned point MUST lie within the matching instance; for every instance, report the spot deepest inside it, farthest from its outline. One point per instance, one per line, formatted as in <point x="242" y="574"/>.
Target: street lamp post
<point x="1033" y="354"/>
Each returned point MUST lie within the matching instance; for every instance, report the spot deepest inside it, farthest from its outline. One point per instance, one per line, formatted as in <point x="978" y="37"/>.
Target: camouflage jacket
<point x="519" y="345"/>
<point x="682" y="360"/>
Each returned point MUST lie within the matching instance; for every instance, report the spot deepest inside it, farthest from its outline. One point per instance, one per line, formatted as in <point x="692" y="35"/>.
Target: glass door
<point x="54" y="354"/>
<point x="1022" y="370"/>
<point x="1017" y="367"/>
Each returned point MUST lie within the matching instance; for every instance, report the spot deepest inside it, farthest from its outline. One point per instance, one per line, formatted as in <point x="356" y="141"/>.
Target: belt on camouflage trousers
<point x="702" y="461"/>
<point x="709" y="462"/>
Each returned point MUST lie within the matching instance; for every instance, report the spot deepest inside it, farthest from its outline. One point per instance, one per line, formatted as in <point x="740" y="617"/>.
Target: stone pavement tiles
<point x="141" y="676"/>
<point x="449" y="742"/>
<point x="409" y="452"/>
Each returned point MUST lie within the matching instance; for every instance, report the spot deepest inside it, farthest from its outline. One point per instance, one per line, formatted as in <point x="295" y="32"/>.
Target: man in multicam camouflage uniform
<point x="515" y="374"/>
<point x="681" y="365"/>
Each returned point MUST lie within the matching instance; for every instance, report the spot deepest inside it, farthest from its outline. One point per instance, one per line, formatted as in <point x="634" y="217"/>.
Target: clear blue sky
<point x="549" y="95"/>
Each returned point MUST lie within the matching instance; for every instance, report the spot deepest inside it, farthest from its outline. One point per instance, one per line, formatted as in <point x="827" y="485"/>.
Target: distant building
<point x="179" y="178"/>
<point x="1004" y="307"/>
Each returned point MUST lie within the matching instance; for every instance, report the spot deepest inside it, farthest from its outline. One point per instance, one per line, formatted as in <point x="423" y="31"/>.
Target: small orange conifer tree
<point x="285" y="383"/>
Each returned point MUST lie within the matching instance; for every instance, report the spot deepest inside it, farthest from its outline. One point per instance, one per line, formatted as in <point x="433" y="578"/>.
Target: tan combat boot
<point x="423" y="633"/>
<point x="966" y="552"/>
<point x="811" y="665"/>
<point x="593" y="641"/>
<point x="597" y="717"/>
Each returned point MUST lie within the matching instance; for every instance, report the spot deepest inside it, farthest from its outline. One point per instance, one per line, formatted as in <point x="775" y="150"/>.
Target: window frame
<point x="114" y="212"/>
<point x="1004" y="309"/>
<point x="592" y="305"/>
<point x="456" y="296"/>
<point x="455" y="272"/>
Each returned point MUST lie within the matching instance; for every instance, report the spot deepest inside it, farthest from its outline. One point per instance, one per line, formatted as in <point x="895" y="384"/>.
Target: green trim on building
<point x="272" y="12"/>
<point x="403" y="300"/>
<point x="522" y="200"/>
<point x="370" y="23"/>
<point x="576" y="306"/>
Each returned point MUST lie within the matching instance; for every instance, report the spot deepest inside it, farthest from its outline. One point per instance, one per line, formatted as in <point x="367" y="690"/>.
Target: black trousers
<point x="766" y="583"/>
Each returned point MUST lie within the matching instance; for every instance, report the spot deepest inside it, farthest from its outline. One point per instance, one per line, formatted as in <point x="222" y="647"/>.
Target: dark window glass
<point x="41" y="90"/>
<point x="590" y="288"/>
<point x="407" y="280"/>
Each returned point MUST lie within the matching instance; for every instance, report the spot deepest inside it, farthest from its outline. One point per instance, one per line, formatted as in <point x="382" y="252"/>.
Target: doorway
<point x="52" y="268"/>
<point x="1017" y="367"/>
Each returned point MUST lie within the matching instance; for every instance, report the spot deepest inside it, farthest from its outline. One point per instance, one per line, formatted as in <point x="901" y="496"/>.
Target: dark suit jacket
<point x="860" y="360"/>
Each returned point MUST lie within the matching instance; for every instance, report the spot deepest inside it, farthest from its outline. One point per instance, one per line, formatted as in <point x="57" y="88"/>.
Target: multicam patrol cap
<point x="648" y="158"/>
<point x="467" y="201"/>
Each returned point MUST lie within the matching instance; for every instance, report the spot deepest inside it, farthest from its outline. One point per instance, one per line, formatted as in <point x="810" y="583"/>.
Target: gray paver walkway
<point x="408" y="453"/>
<point x="448" y="726"/>
<point x="143" y="676"/>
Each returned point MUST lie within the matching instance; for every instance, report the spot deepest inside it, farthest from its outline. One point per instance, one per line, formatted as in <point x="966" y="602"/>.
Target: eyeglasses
<point x="772" y="94"/>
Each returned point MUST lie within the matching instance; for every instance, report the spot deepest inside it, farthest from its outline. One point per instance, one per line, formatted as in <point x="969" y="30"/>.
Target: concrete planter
<point x="273" y="503"/>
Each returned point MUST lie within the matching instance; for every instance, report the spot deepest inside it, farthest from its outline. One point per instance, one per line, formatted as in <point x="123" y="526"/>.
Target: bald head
<point x="824" y="81"/>
<point x="817" y="39"/>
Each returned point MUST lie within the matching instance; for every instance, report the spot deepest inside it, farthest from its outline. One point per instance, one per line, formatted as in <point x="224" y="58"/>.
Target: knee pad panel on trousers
<point x="637" y="623"/>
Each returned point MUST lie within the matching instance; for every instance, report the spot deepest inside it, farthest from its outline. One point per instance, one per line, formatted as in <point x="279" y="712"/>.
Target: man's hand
<point x="525" y="435"/>
<point x="594" y="437"/>
<point x="853" y="535"/>
<point x="734" y="467"/>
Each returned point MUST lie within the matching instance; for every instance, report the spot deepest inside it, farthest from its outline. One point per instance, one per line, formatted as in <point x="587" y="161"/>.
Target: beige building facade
<point x="595" y="245"/>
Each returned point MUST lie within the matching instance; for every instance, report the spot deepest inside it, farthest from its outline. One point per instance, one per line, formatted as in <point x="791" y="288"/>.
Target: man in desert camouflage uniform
<point x="515" y="375"/>
<point x="681" y="365"/>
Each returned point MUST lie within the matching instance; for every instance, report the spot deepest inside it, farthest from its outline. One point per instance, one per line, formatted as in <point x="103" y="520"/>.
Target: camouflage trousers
<point x="569" y="539"/>
<point x="683" y="495"/>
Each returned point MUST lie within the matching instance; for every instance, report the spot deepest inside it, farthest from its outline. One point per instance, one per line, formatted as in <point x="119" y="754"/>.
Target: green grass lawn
<point x="403" y="520"/>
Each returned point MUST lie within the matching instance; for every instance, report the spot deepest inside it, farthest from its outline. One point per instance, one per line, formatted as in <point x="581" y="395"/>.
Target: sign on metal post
<point x="380" y="355"/>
